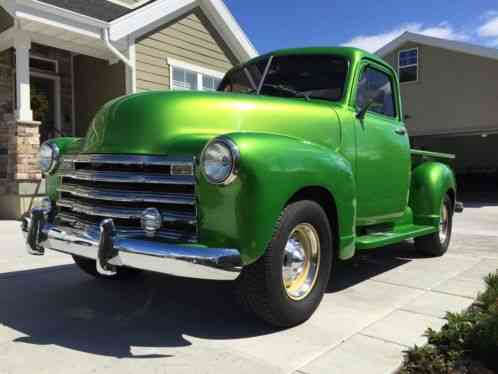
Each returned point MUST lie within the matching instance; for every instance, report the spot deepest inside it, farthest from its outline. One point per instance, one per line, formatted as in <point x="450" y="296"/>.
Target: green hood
<point x="182" y="122"/>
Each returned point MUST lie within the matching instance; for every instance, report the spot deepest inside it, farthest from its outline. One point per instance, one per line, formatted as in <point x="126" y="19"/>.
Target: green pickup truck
<point x="299" y="160"/>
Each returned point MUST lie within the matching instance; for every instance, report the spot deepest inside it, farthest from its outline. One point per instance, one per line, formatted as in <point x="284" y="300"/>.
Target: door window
<point x="376" y="86"/>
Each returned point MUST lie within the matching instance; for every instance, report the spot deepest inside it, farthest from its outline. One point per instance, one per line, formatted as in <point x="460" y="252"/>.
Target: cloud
<point x="490" y="28"/>
<point x="374" y="42"/>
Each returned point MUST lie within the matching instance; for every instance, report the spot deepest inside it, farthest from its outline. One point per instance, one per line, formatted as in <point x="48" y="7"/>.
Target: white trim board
<point x="161" y="11"/>
<point x="467" y="48"/>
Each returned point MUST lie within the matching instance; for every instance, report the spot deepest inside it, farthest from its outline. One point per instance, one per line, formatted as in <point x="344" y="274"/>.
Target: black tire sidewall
<point x="296" y="311"/>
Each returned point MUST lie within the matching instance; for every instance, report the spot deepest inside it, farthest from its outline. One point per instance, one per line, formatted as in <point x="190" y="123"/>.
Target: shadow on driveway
<point x="62" y="306"/>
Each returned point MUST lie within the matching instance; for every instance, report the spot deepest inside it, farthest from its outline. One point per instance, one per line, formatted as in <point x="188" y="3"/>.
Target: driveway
<point x="54" y="319"/>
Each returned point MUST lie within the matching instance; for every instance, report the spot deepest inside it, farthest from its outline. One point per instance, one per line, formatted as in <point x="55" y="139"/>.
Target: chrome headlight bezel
<point x="50" y="162"/>
<point x="232" y="171"/>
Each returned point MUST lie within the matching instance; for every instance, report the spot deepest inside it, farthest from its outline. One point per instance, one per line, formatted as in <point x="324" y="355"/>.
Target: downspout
<point x="129" y="62"/>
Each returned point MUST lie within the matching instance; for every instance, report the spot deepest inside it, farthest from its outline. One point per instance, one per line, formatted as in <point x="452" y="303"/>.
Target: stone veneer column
<point x="19" y="186"/>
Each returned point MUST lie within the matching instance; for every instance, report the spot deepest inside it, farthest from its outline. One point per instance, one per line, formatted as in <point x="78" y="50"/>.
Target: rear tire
<point x="437" y="244"/>
<point x="89" y="267"/>
<point x="286" y="285"/>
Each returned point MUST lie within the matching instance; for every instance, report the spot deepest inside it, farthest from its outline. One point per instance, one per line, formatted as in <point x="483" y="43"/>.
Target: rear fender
<point x="431" y="181"/>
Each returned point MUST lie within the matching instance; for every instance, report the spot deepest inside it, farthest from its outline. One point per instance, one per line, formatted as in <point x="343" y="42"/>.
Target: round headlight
<point x="219" y="161"/>
<point x="48" y="157"/>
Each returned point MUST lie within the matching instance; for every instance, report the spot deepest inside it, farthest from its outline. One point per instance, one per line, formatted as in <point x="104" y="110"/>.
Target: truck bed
<point x="419" y="156"/>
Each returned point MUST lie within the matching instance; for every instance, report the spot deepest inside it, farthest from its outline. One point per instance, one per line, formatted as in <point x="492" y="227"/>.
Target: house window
<point x="408" y="65"/>
<point x="210" y="83"/>
<point x="185" y="76"/>
<point x="184" y="79"/>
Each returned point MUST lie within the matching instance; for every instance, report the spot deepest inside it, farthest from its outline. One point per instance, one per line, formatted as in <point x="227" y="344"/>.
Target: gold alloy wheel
<point x="444" y="223"/>
<point x="301" y="261"/>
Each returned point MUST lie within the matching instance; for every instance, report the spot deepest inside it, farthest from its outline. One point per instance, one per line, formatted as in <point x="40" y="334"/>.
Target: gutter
<point x="131" y="76"/>
<point x="115" y="51"/>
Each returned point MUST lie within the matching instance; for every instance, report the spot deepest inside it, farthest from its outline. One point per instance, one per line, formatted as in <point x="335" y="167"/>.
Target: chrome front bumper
<point x="112" y="251"/>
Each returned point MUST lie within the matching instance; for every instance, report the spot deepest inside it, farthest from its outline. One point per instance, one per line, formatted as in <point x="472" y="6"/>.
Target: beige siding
<point x="6" y="20"/>
<point x="95" y="83"/>
<point x="191" y="39"/>
<point x="456" y="92"/>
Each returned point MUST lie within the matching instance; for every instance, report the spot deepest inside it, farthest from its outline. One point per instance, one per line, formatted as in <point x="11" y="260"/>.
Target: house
<point x="450" y="93"/>
<point x="61" y="60"/>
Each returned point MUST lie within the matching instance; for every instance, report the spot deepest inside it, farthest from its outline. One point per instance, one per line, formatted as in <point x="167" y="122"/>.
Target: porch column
<point x="22" y="44"/>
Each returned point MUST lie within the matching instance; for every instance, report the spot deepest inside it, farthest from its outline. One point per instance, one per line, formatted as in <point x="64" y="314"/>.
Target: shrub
<point x="467" y="343"/>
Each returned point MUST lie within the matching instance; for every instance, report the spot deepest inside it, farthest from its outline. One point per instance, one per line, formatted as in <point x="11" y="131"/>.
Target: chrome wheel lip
<point x="444" y="225"/>
<point x="301" y="262"/>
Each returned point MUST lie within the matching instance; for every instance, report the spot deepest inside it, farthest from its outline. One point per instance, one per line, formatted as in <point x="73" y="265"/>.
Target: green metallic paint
<point x="273" y="168"/>
<point x="286" y="145"/>
<point x="431" y="181"/>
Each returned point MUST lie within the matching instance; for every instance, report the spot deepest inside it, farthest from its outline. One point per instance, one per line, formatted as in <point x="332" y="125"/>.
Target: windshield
<point x="308" y="76"/>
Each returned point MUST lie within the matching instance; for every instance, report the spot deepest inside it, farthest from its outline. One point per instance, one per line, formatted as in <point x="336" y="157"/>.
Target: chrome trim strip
<point x="140" y="253"/>
<point x="126" y="177"/>
<point x="124" y="231"/>
<point x="129" y="160"/>
<point x="123" y="213"/>
<point x="126" y="196"/>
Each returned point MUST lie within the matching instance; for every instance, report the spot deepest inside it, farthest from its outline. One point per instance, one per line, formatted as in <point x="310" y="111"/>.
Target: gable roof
<point x="451" y="45"/>
<point x="100" y="9"/>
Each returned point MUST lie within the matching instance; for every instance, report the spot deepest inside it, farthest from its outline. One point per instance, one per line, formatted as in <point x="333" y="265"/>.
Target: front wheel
<point x="286" y="285"/>
<point x="437" y="244"/>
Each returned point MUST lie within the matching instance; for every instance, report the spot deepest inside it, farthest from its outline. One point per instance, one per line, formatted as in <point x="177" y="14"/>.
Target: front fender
<point x="273" y="168"/>
<point x="430" y="183"/>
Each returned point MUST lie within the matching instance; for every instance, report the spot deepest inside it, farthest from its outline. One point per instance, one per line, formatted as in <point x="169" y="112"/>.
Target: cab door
<point x="383" y="160"/>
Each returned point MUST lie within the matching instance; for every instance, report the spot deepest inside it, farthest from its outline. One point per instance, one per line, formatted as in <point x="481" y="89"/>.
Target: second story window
<point x="210" y="83"/>
<point x="408" y="65"/>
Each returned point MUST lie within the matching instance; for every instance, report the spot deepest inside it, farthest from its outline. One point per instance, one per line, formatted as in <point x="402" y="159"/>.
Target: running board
<point x="399" y="233"/>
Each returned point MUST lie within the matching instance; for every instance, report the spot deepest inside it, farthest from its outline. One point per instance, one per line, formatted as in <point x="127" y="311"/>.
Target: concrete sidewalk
<point x="54" y="319"/>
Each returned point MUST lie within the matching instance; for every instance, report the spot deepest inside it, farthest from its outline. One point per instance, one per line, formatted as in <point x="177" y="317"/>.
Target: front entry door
<point x="383" y="158"/>
<point x="44" y="106"/>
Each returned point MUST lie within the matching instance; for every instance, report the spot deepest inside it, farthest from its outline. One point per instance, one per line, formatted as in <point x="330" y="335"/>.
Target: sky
<point x="275" y="24"/>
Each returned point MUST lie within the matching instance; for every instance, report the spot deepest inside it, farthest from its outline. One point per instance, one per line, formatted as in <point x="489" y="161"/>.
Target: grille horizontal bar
<point x="126" y="196"/>
<point x="127" y="177"/>
<point x="82" y="224"/>
<point x="123" y="213"/>
<point x="126" y="160"/>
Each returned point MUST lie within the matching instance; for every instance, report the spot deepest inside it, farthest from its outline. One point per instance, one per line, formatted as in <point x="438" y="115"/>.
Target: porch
<point x="53" y="78"/>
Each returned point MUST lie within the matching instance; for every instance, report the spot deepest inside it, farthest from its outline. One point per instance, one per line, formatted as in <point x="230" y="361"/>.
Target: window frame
<point x="409" y="66"/>
<point x="395" y="90"/>
<point x="198" y="70"/>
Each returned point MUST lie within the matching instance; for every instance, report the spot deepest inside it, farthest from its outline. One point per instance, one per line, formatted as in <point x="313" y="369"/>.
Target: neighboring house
<point x="450" y="93"/>
<point x="60" y="60"/>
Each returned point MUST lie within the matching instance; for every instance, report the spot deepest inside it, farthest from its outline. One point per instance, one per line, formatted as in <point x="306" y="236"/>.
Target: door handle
<point x="400" y="131"/>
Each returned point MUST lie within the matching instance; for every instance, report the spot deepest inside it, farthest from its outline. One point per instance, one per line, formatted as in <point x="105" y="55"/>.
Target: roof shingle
<point x="100" y="9"/>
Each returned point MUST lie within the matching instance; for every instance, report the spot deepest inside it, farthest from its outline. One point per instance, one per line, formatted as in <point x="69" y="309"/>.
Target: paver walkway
<point x="54" y="319"/>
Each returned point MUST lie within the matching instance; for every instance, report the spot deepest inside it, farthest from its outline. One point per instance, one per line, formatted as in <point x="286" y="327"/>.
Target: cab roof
<point x="350" y="53"/>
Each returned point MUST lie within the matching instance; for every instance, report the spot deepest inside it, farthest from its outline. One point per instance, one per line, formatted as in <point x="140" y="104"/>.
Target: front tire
<point x="89" y="267"/>
<point x="286" y="285"/>
<point x="437" y="244"/>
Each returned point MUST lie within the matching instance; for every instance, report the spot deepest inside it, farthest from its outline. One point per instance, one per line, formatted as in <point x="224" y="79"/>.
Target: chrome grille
<point x="121" y="187"/>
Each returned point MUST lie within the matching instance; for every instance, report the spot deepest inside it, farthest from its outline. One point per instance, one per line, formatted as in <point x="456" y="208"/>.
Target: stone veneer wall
<point x="20" y="183"/>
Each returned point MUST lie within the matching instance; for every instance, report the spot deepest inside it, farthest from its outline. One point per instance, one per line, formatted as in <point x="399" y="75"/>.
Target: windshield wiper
<point x="286" y="89"/>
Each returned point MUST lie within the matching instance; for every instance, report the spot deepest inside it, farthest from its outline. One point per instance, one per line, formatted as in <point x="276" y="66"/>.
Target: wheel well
<point x="324" y="198"/>
<point x="452" y="195"/>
